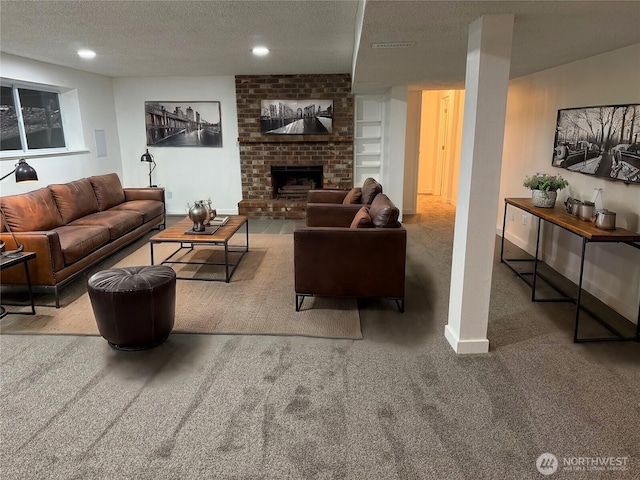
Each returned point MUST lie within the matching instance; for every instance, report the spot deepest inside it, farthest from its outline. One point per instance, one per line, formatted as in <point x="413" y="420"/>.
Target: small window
<point x="30" y="120"/>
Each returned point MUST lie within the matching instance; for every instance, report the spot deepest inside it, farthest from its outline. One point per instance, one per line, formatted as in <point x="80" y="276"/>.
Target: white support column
<point x="486" y="84"/>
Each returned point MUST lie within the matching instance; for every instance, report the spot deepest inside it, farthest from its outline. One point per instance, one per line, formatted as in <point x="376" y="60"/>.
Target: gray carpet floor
<point x="399" y="404"/>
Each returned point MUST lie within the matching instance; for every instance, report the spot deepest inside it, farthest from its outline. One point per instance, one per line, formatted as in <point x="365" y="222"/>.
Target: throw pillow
<point x="370" y="188"/>
<point x="361" y="219"/>
<point x="353" y="196"/>
<point x="383" y="212"/>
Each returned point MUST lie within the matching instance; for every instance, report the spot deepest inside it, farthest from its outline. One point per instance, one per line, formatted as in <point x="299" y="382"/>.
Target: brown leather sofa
<point x="74" y="225"/>
<point x="362" y="257"/>
<point x="338" y="207"/>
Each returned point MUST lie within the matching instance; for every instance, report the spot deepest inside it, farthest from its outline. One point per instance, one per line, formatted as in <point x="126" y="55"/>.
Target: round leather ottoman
<point x="134" y="306"/>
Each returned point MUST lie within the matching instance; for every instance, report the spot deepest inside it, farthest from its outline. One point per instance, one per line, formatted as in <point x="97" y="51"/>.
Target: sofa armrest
<point x="146" y="193"/>
<point x="49" y="259"/>
<point x="356" y="262"/>
<point x="331" y="215"/>
<point x="326" y="196"/>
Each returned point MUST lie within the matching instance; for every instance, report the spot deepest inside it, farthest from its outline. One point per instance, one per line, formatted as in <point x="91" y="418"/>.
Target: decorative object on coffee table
<point x="544" y="189"/>
<point x="199" y="215"/>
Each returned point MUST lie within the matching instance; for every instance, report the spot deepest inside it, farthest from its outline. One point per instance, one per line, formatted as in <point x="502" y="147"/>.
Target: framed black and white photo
<point x="296" y="117"/>
<point x="600" y="141"/>
<point x="183" y="124"/>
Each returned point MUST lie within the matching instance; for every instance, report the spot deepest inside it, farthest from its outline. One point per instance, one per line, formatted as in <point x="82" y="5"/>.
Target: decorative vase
<point x="544" y="199"/>
<point x="199" y="215"/>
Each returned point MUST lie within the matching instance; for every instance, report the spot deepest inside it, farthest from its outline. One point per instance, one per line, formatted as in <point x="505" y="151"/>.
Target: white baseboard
<point x="465" y="346"/>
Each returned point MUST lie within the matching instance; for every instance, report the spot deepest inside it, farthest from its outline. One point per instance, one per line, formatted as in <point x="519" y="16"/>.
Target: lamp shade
<point x="146" y="157"/>
<point x="25" y="172"/>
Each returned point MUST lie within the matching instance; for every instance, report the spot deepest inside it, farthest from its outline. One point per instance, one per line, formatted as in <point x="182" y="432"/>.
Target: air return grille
<point x="393" y="44"/>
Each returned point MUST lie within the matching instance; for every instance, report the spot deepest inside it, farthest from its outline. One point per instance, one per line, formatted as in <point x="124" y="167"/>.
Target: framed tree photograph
<point x="183" y="124"/>
<point x="600" y="141"/>
<point x="296" y="117"/>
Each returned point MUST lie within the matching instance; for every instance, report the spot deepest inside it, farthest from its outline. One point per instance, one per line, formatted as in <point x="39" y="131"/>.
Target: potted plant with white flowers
<point x="544" y="188"/>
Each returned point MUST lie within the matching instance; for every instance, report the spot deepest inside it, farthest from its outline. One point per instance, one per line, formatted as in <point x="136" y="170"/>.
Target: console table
<point x="589" y="233"/>
<point x="12" y="260"/>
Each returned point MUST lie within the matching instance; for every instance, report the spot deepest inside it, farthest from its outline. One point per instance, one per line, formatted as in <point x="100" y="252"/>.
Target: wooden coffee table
<point x="221" y="237"/>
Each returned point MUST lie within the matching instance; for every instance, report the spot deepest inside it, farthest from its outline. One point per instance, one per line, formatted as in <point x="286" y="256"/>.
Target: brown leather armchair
<point x="338" y="207"/>
<point x="359" y="259"/>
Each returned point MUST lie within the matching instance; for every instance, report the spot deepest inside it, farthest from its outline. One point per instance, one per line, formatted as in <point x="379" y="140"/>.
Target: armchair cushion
<point x="361" y="219"/>
<point x="354" y="196"/>
<point x="383" y="212"/>
<point x="370" y="189"/>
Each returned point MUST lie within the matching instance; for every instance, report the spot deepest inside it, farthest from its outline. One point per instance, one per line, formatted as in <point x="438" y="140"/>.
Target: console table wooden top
<point x="560" y="217"/>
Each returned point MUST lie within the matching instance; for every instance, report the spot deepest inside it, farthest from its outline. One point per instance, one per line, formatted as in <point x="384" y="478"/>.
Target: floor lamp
<point x="147" y="157"/>
<point x="24" y="173"/>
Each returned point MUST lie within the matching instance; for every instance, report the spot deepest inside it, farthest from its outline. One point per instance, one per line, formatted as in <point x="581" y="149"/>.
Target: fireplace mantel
<point x="294" y="139"/>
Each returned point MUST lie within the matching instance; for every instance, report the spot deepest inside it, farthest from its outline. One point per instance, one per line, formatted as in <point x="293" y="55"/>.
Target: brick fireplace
<point x="324" y="160"/>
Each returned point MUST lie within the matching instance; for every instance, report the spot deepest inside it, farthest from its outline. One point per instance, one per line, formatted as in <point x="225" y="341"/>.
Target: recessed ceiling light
<point x="87" y="54"/>
<point x="260" y="51"/>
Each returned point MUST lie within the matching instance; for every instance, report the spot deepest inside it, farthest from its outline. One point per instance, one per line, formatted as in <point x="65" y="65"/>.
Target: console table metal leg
<point x="535" y="264"/>
<point x="504" y="226"/>
<point x="579" y="295"/>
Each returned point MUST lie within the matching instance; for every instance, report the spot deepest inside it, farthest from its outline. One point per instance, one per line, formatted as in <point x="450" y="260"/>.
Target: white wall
<point x="187" y="173"/>
<point x="412" y="152"/>
<point x="95" y="108"/>
<point x="612" y="271"/>
<point x="395" y="123"/>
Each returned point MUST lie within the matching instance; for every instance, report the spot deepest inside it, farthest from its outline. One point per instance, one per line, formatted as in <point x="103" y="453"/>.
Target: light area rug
<point x="259" y="299"/>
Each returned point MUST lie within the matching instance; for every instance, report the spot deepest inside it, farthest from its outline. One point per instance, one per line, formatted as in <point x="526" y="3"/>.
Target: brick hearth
<point x="334" y="152"/>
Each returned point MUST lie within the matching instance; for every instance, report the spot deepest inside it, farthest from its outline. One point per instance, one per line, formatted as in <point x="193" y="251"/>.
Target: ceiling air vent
<point x="393" y="44"/>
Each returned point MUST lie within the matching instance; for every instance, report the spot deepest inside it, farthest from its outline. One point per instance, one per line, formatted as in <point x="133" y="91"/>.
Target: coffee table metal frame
<point x="221" y="238"/>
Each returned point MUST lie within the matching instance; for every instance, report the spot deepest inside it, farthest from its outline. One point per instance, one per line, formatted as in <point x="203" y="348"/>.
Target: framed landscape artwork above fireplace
<point x="601" y="141"/>
<point x="296" y="117"/>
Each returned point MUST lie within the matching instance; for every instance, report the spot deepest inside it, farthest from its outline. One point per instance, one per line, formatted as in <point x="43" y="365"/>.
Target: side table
<point x="12" y="261"/>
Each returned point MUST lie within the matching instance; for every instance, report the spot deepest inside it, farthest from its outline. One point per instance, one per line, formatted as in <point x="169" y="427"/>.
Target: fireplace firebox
<point x="294" y="181"/>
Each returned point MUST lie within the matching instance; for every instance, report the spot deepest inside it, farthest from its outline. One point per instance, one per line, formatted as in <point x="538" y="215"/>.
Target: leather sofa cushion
<point x="361" y="219"/>
<point x="108" y="190"/>
<point x="149" y="209"/>
<point x="74" y="199"/>
<point x="32" y="211"/>
<point x="76" y="242"/>
<point x="116" y="222"/>
<point x="370" y="189"/>
<point x="383" y="212"/>
<point x="354" y="196"/>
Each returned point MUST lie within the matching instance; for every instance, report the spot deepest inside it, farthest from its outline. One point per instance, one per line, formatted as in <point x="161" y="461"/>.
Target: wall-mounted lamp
<point x="24" y="173"/>
<point x="147" y="157"/>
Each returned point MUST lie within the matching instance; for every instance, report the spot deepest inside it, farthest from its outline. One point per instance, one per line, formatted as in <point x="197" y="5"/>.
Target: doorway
<point x="440" y="141"/>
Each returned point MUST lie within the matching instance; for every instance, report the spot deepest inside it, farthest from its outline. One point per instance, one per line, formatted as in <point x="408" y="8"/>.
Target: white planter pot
<point x="540" y="198"/>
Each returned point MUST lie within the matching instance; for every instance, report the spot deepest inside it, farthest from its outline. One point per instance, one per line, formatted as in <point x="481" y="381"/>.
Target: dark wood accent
<point x="560" y="217"/>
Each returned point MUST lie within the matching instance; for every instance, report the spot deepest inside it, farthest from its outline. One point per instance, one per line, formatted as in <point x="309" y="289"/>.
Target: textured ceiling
<point x="214" y="37"/>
